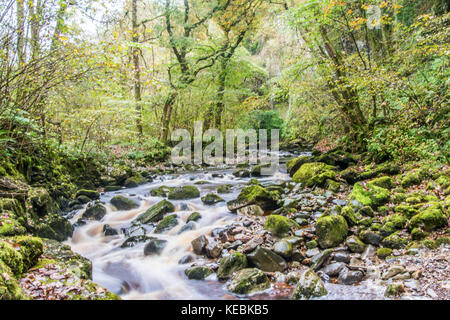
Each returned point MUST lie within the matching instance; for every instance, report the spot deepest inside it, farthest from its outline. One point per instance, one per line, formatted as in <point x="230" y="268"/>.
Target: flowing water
<point x="126" y="271"/>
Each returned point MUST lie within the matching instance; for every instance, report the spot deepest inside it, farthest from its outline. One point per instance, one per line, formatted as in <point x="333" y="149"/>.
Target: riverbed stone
<point x="267" y="260"/>
<point x="241" y="173"/>
<point x="188" y="227"/>
<point x="355" y="244"/>
<point x="331" y="230"/>
<point x="248" y="281"/>
<point x="123" y="203"/>
<point x="309" y="285"/>
<point x="183" y="193"/>
<point x="231" y="264"/>
<point x="167" y="223"/>
<point x="251" y="210"/>
<point x="211" y="199"/>
<point x="154" y="246"/>
<point x="199" y="244"/>
<point x="94" y="212"/>
<point x="320" y="258"/>
<point x="279" y="225"/>
<point x="198" y="272"/>
<point x="256" y="194"/>
<point x="349" y="277"/>
<point x="109" y="231"/>
<point x="156" y="212"/>
<point x="333" y="269"/>
<point x="283" y="248"/>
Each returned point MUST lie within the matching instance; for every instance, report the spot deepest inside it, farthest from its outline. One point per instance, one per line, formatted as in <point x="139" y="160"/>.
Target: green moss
<point x="384" y="252"/>
<point x="387" y="229"/>
<point x="370" y="195"/>
<point x="198" y="273"/>
<point x="167" y="223"/>
<point x="394" y="290"/>
<point x="95" y="212"/>
<point x="211" y="198"/>
<point x="194" y="216"/>
<point x="156" y="212"/>
<point x="418" y="234"/>
<point x="383" y="182"/>
<point x="429" y="219"/>
<point x="185" y="192"/>
<point x="294" y="164"/>
<point x="123" y="203"/>
<point x="429" y="243"/>
<point x="11" y="227"/>
<point x="91" y="194"/>
<point x="224" y="188"/>
<point x="394" y="241"/>
<point x="398" y="220"/>
<point x="31" y="249"/>
<point x="256" y="194"/>
<point x="406" y="210"/>
<point x="331" y="230"/>
<point x="231" y="264"/>
<point x="248" y="281"/>
<point x="10" y="288"/>
<point x="355" y="244"/>
<point x="366" y="211"/>
<point x="348" y="213"/>
<point x="314" y="173"/>
<point x="12" y="258"/>
<point x="413" y="178"/>
<point x="398" y="197"/>
<point x="279" y="225"/>
<point x="134" y="181"/>
<point x="161" y="191"/>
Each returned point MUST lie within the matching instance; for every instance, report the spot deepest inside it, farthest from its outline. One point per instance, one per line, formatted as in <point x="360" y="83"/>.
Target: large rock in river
<point x="123" y="203"/>
<point x="309" y="285"/>
<point x="248" y="281"/>
<point x="156" y="212"/>
<point x="231" y="264"/>
<point x="185" y="192"/>
<point x="255" y="194"/>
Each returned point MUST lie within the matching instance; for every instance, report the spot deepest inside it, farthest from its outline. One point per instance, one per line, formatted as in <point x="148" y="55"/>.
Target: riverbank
<point x="364" y="230"/>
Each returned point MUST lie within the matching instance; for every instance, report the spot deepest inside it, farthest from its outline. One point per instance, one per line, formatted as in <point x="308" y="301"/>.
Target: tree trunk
<point x="220" y="93"/>
<point x="137" y="72"/>
<point x="20" y="32"/>
<point x="166" y="115"/>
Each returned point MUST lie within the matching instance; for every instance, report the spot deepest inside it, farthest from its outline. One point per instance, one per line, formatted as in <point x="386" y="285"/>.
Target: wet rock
<point x="83" y="199"/>
<point x="251" y="245"/>
<point x="199" y="244"/>
<point x="123" y="203"/>
<point x="371" y="237"/>
<point x="312" y="252"/>
<point x="198" y="273"/>
<point x="94" y="212"/>
<point x="231" y="264"/>
<point x="394" y="290"/>
<point x="314" y="173"/>
<point x="283" y="248"/>
<point x="369" y="252"/>
<point x="267" y="260"/>
<point x="112" y="188"/>
<point x="241" y="173"/>
<point x="251" y="210"/>
<point x="355" y="245"/>
<point x="211" y="199"/>
<point x="134" y="240"/>
<point x="309" y="285"/>
<point x="213" y="249"/>
<point x="187" y="227"/>
<point x="331" y="230"/>
<point x="279" y="225"/>
<point x="194" y="216"/>
<point x="183" y="193"/>
<point x="248" y="281"/>
<point x="349" y="277"/>
<point x="224" y="188"/>
<point x="161" y="191"/>
<point x="154" y="246"/>
<point x="156" y="212"/>
<point x="393" y="271"/>
<point x="167" y="223"/>
<point x="256" y="194"/>
<point x="333" y="269"/>
<point x="394" y="241"/>
<point x="256" y="170"/>
<point x="186" y="259"/>
<point x="108" y="231"/>
<point x="341" y="257"/>
<point x="319" y="259"/>
<point x="293" y="240"/>
<point x="91" y="194"/>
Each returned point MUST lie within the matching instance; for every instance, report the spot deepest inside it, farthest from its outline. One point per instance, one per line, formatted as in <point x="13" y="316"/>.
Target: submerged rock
<point x="167" y="223"/>
<point x="123" y="203"/>
<point x="248" y="281"/>
<point x="156" y="212"/>
<point x="211" y="198"/>
<point x="194" y="216"/>
<point x="154" y="246"/>
<point x="199" y="244"/>
<point x="108" y="231"/>
<point x="183" y="193"/>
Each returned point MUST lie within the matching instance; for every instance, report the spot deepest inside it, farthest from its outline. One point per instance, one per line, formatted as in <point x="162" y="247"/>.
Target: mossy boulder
<point x="91" y="194"/>
<point x="211" y="199"/>
<point x="94" y="212"/>
<point x="429" y="219"/>
<point x="167" y="223"/>
<point x="31" y="248"/>
<point x="397" y="220"/>
<point x="355" y="245"/>
<point x="314" y="174"/>
<point x="12" y="258"/>
<point x="383" y="253"/>
<point x="123" y="203"/>
<point x="406" y="210"/>
<point x="198" y="273"/>
<point x="231" y="264"/>
<point x="279" y="225"/>
<point x="413" y="178"/>
<point x="331" y="230"/>
<point x="398" y="198"/>
<point x="194" y="216"/>
<point x="256" y="171"/>
<point x="349" y="214"/>
<point x="162" y="191"/>
<point x="226" y="188"/>
<point x="309" y="285"/>
<point x="370" y="195"/>
<point x="366" y="211"/>
<point x="10" y="288"/>
<point x="294" y="164"/>
<point x="248" y="281"/>
<point x="184" y="192"/>
<point x="134" y="181"/>
<point x="255" y="194"/>
<point x="156" y="212"/>
<point x="9" y="226"/>
<point x="383" y="182"/>
<point x="394" y="241"/>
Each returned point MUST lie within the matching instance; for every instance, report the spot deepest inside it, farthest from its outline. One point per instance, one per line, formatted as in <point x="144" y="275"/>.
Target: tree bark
<point x="136" y="71"/>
